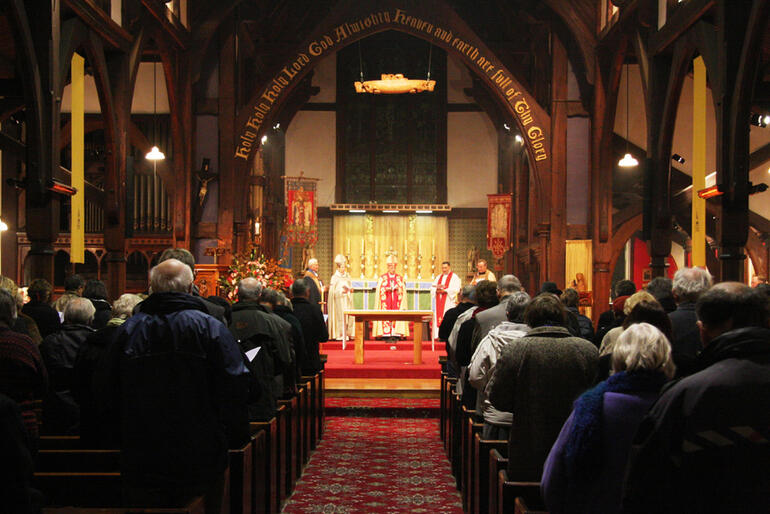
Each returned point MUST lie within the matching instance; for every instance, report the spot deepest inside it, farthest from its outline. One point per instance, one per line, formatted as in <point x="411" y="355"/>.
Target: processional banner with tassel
<point x="499" y="223"/>
<point x="301" y="225"/>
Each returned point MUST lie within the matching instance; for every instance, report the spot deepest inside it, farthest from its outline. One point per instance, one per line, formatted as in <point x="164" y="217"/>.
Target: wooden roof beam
<point x="113" y="34"/>
<point x="684" y="18"/>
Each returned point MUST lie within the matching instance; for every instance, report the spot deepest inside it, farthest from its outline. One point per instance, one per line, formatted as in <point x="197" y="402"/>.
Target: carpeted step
<point x="382" y="364"/>
<point x="383" y="407"/>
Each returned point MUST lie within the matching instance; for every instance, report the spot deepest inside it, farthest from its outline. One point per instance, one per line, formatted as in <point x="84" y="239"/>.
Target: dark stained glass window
<point x="390" y="146"/>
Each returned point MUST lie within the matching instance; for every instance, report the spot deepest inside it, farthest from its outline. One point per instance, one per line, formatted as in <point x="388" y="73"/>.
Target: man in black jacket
<point x="184" y="256"/>
<point x="313" y="325"/>
<point x="703" y="446"/>
<point x="689" y="285"/>
<point x="179" y="381"/>
<point x="253" y="326"/>
<point x="450" y="316"/>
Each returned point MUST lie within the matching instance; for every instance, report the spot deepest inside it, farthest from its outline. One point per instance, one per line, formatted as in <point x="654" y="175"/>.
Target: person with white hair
<point x="340" y="299"/>
<point x="585" y="468"/>
<point x="689" y="284"/>
<point x="313" y="282"/>
<point x="61" y="413"/>
<point x="178" y="379"/>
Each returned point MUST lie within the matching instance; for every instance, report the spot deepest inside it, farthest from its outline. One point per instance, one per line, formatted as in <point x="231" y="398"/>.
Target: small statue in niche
<point x="473" y="257"/>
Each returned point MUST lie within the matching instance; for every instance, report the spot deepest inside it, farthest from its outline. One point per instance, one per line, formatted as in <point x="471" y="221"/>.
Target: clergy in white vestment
<point x="340" y="299"/>
<point x="443" y="292"/>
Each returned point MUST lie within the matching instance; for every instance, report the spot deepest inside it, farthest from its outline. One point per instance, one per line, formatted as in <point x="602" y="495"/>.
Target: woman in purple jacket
<point x="585" y="468"/>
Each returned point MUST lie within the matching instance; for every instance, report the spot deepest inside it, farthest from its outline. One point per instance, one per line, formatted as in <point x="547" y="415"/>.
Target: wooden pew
<point x="241" y="479"/>
<point x="497" y="462"/>
<point x="59" y="442"/>
<point x="508" y="490"/>
<point x="483" y="479"/>
<point x="270" y="463"/>
<point x="521" y="508"/>
<point x="91" y="493"/>
<point x="78" y="461"/>
<point x="321" y="399"/>
<point x="292" y="449"/>
<point x="260" y="495"/>
<point x="471" y="427"/>
<point x="455" y="439"/>
<point x="307" y="438"/>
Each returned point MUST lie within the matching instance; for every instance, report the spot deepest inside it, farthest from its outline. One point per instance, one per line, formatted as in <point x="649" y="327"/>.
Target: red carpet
<point x="373" y="465"/>
<point x="383" y="407"/>
<point x="382" y="362"/>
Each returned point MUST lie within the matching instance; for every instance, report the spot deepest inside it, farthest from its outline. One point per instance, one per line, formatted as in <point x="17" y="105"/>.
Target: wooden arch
<point x="433" y="21"/>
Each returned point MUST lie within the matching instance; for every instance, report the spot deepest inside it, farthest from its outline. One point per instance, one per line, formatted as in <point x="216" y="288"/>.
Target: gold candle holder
<point x="419" y="266"/>
<point x="432" y="267"/>
<point x="363" y="266"/>
<point x="375" y="259"/>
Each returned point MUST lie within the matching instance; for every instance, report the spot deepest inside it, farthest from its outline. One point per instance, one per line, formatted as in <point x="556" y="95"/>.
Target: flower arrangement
<point x="248" y="264"/>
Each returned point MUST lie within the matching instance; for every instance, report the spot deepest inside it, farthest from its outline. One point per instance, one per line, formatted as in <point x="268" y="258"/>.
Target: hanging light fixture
<point x="155" y="154"/>
<point x="628" y="160"/>
<point x="393" y="84"/>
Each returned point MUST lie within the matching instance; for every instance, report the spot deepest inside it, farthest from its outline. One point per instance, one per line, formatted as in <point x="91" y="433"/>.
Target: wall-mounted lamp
<point x="678" y="158"/>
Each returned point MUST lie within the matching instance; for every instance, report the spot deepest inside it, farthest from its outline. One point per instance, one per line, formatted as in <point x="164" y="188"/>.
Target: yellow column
<point x="699" y="163"/>
<point x="77" y="228"/>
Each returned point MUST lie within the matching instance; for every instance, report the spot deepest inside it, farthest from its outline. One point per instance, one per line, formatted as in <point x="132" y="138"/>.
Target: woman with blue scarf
<point x="585" y="468"/>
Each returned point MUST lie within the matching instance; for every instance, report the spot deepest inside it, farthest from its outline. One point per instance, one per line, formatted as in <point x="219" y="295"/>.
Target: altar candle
<point x="419" y="247"/>
<point x="348" y="246"/>
<point x="433" y="248"/>
<point x="362" y="246"/>
<point x="404" y="250"/>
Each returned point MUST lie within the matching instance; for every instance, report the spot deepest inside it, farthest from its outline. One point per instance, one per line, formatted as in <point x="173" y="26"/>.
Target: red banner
<point x="499" y="223"/>
<point x="301" y="225"/>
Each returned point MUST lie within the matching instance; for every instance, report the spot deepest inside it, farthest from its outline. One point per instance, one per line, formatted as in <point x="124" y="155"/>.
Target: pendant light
<point x="155" y="154"/>
<point x="628" y="160"/>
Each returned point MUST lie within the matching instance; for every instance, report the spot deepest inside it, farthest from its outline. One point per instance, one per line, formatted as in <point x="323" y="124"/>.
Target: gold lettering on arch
<point x="327" y="43"/>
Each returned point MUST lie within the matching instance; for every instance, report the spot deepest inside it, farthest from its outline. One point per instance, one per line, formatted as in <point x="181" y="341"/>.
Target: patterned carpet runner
<point x="368" y="463"/>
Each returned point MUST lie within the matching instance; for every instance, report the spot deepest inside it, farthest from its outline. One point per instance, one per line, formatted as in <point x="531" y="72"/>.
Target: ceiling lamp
<point x="155" y="154"/>
<point x="393" y="84"/>
<point x="628" y="160"/>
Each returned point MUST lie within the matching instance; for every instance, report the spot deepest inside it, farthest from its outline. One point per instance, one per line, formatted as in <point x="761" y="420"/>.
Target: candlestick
<point x="348" y="252"/>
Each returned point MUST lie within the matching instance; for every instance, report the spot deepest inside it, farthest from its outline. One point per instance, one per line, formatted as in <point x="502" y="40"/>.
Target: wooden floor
<point x="390" y="387"/>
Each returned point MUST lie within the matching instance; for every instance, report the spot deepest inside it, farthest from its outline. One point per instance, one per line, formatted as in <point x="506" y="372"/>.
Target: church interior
<point x="580" y="143"/>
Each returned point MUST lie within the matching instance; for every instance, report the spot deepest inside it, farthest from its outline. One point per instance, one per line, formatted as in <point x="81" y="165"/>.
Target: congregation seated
<point x="497" y="424"/>
<point x="585" y="467"/>
<point x="270" y="299"/>
<point x="97" y="428"/>
<point x="96" y="291"/>
<point x="39" y="308"/>
<point x="537" y="378"/>
<point x="61" y="413"/>
<point x="23" y="375"/>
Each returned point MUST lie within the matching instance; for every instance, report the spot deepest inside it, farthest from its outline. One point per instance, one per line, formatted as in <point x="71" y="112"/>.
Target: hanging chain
<point x="430" y="56"/>
<point x="360" y="61"/>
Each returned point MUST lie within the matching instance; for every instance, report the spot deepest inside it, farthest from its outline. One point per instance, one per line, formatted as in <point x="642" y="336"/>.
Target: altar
<point x="417" y="295"/>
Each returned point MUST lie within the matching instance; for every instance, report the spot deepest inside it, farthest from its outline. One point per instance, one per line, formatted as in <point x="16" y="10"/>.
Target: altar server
<point x="443" y="292"/>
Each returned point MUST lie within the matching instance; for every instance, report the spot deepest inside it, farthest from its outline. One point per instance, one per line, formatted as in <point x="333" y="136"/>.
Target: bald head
<point x="729" y="306"/>
<point x="171" y="276"/>
<point x="249" y="289"/>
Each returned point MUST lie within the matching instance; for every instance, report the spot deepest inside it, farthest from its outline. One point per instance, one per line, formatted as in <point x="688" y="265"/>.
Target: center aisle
<point x="377" y="464"/>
